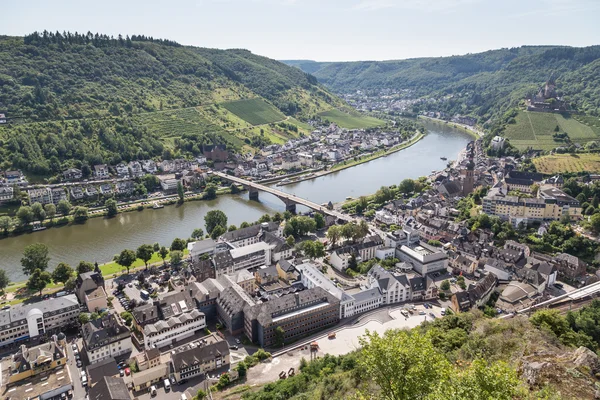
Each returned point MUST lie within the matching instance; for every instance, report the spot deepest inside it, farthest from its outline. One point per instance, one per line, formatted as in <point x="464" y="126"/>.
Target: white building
<point x="21" y="322"/>
<point x="385" y="218"/>
<point x="424" y="258"/>
<point x="340" y="258"/>
<point x="394" y="288"/>
<point x="311" y="277"/>
<point x="252" y="256"/>
<point x="105" y="338"/>
<point x="367" y="300"/>
<point x="175" y="328"/>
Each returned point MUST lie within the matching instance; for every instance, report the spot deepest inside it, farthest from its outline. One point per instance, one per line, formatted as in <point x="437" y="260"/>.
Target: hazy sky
<point x="324" y="30"/>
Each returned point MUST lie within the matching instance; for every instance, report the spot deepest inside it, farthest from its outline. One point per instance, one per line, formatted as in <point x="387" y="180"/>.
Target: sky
<point x="323" y="30"/>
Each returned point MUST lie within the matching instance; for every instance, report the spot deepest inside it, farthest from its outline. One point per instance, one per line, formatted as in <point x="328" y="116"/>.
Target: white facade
<point x="385" y="252"/>
<point x="311" y="277"/>
<point x="163" y="333"/>
<point x="367" y="300"/>
<point x="251" y="256"/>
<point x="113" y="350"/>
<point x="424" y="258"/>
<point x="385" y="218"/>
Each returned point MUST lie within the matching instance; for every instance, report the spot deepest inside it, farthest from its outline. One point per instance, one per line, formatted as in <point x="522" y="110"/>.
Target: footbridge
<point x="288" y="199"/>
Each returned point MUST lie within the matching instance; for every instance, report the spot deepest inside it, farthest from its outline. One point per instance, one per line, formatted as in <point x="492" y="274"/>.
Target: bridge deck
<point x="283" y="195"/>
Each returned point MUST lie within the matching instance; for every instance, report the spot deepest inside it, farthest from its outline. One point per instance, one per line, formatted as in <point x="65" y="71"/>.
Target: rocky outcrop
<point x="584" y="357"/>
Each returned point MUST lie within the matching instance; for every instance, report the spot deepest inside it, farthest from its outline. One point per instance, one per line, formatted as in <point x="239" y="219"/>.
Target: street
<point x="79" y="392"/>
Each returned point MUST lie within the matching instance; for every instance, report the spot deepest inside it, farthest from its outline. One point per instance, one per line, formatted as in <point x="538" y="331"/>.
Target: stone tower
<point x="468" y="177"/>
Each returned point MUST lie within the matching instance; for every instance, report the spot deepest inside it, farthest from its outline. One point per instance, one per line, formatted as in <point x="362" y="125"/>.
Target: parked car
<point x="432" y="315"/>
<point x="153" y="391"/>
<point x="79" y="364"/>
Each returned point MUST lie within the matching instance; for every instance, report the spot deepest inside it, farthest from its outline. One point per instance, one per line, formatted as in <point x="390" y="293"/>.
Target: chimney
<point x="190" y="292"/>
<point x="152" y="312"/>
<point x="297" y="296"/>
<point x="143" y="317"/>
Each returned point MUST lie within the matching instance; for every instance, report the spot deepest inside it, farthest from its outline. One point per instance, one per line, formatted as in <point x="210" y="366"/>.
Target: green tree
<point x="70" y="283"/>
<point x="445" y="286"/>
<point x="4" y="280"/>
<point x="178" y="244"/>
<point x="279" y="336"/>
<point x="242" y="368"/>
<point x="197" y="234"/>
<point x="63" y="207"/>
<point x="156" y="247"/>
<point x="215" y="218"/>
<point x="290" y="241"/>
<point x="176" y="257"/>
<point x="5" y="223"/>
<point x="180" y="192"/>
<point x="405" y="366"/>
<point x="80" y="214"/>
<point x="84" y="318"/>
<point x="244" y="225"/>
<point x="299" y="226"/>
<point x="145" y="253"/>
<point x="264" y="218"/>
<point x="333" y="234"/>
<point x="319" y="221"/>
<point x="313" y="249"/>
<point x="62" y="273"/>
<point x="50" y="210"/>
<point x="217" y="231"/>
<point x="38" y="211"/>
<point x="210" y="191"/>
<point x="232" y="228"/>
<point x="38" y="280"/>
<point x="25" y="215"/>
<point x="407" y="186"/>
<point x="151" y="182"/>
<point x="126" y="258"/>
<point x="84" y="266"/>
<point x="111" y="207"/>
<point x="277" y="217"/>
<point x="35" y="256"/>
<point x="200" y="395"/>
<point x="595" y="222"/>
<point x="163" y="252"/>
<point x="234" y="189"/>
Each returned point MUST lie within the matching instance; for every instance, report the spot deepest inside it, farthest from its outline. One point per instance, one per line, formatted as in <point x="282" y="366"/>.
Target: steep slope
<point x="72" y="99"/>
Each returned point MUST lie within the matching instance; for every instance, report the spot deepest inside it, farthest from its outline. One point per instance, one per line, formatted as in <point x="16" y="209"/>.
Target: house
<point x="6" y="194"/>
<point x="91" y="191"/>
<point x="101" y="171"/>
<point x="72" y="174"/>
<point x="90" y="290"/>
<point x="149" y="166"/>
<point x="42" y="196"/>
<point x="122" y="170"/>
<point x="106" y="338"/>
<point x="298" y="314"/>
<point x="340" y="258"/>
<point x="393" y="288"/>
<point x="147" y="359"/>
<point x="197" y="358"/>
<point x="463" y="264"/>
<point x="106" y="189"/>
<point x="168" y="183"/>
<point x="124" y="188"/>
<point x="385" y="217"/>
<point x="286" y="271"/>
<point x="502" y="270"/>
<point x="109" y="388"/>
<point x="569" y="266"/>
<point x="143" y="380"/>
<point x="36" y="360"/>
<point x="280" y="250"/>
<point x="14" y="177"/>
<point x="58" y="194"/>
<point x="475" y="296"/>
<point x="216" y="153"/>
<point x="136" y="168"/>
<point x="77" y="192"/>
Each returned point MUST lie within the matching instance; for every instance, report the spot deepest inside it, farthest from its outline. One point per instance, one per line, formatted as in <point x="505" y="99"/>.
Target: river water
<point x="99" y="239"/>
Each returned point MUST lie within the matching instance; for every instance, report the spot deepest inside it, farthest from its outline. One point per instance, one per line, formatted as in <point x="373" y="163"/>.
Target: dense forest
<point x="72" y="96"/>
<point x="484" y="84"/>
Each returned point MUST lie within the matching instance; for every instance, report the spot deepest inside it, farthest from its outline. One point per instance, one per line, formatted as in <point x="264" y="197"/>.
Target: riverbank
<point x="353" y="163"/>
<point x="475" y="133"/>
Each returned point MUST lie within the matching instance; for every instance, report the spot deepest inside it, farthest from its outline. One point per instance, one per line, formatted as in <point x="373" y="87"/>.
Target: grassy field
<point x="349" y="121"/>
<point x="535" y="129"/>
<point x="254" y="111"/>
<point x="557" y="163"/>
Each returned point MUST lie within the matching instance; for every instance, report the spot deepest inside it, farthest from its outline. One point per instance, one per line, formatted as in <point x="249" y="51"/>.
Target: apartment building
<point x="105" y="338"/>
<point x="199" y="357"/>
<point x="424" y="258"/>
<point x="28" y="321"/>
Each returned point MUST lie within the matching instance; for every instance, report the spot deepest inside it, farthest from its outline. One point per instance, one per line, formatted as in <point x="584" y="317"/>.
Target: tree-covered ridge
<point x="483" y="84"/>
<point x="48" y="76"/>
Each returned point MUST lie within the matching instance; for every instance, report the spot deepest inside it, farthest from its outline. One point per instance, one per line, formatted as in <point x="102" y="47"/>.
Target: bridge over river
<point x="288" y="199"/>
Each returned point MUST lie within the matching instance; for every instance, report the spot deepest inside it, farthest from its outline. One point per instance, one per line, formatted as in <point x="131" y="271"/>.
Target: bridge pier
<point x="291" y="208"/>
<point x="253" y="194"/>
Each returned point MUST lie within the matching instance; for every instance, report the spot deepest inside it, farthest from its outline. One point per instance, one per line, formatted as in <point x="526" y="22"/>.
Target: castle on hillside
<point x="546" y="100"/>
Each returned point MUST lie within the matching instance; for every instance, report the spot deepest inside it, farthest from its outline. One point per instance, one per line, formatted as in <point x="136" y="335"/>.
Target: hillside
<point x="465" y="356"/>
<point x="89" y="98"/>
<point x="484" y="84"/>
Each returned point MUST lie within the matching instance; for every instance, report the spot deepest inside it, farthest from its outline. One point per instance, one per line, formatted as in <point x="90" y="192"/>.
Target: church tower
<point x="468" y="176"/>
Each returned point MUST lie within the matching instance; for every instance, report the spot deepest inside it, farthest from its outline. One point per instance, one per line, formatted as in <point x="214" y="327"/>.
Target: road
<point x="79" y="392"/>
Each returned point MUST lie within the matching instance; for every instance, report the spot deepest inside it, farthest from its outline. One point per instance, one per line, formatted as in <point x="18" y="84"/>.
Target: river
<point x="99" y="239"/>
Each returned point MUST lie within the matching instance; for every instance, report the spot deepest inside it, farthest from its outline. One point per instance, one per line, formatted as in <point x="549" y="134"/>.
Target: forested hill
<point x="484" y="83"/>
<point x="87" y="98"/>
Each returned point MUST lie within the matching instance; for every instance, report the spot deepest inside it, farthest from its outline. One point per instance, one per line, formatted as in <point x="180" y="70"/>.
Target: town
<point x="295" y="285"/>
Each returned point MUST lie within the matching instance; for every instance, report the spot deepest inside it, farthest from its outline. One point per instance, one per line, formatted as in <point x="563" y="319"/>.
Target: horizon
<point x="333" y="30"/>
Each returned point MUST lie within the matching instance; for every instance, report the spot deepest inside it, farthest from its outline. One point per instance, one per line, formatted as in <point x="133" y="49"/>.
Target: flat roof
<point x="252" y="248"/>
<point x="299" y="312"/>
